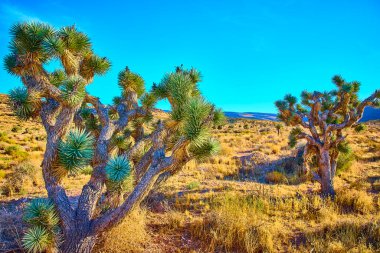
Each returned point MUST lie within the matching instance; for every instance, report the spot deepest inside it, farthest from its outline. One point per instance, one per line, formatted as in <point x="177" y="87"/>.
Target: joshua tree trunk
<point x="78" y="243"/>
<point x="326" y="174"/>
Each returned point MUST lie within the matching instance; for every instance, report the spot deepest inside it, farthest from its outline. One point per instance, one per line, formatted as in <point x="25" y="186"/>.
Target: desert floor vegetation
<point x="249" y="198"/>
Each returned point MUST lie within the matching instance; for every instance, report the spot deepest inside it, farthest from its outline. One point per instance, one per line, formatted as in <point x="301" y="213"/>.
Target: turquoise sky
<point x="251" y="53"/>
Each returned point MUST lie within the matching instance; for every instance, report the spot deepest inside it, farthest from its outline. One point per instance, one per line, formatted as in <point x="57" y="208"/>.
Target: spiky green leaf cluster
<point x="194" y="115"/>
<point x="24" y="104"/>
<point x="36" y="239"/>
<point x="205" y="149"/>
<point x="57" y="78"/>
<point x="73" y="90"/>
<point x="44" y="232"/>
<point x="178" y="88"/>
<point x="116" y="100"/>
<point x="293" y="136"/>
<point x="219" y="117"/>
<point x="41" y="212"/>
<point x="91" y="122"/>
<point x="344" y="147"/>
<point x="76" y="151"/>
<point x="73" y="40"/>
<point x="121" y="142"/>
<point x="27" y="52"/>
<point x="359" y="128"/>
<point x="92" y="64"/>
<point x="33" y="44"/>
<point x="129" y="81"/>
<point x="148" y="100"/>
<point x="118" y="169"/>
<point x="85" y="112"/>
<point x="196" y="112"/>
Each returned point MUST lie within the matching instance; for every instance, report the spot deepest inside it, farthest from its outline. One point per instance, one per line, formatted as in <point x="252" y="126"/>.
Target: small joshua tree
<point x="118" y="141"/>
<point x="278" y="127"/>
<point x="320" y="119"/>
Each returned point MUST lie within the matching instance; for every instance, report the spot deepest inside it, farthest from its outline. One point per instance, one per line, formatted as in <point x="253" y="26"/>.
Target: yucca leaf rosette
<point x="118" y="169"/>
<point x="25" y="104"/>
<point x="129" y="81"/>
<point x="36" y="239"/>
<point x="44" y="231"/>
<point x="73" y="90"/>
<point x="76" y="151"/>
<point x="41" y="212"/>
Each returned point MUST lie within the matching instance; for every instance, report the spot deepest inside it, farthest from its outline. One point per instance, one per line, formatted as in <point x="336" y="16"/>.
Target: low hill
<point x="370" y="113"/>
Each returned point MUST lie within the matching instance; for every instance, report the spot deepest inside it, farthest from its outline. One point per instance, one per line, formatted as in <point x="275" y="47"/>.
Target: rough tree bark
<point x="326" y="174"/>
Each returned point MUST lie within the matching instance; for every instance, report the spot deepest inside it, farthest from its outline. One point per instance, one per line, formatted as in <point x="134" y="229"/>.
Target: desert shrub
<point x="2" y="174"/>
<point x="24" y="175"/>
<point x="376" y="185"/>
<point x="355" y="201"/>
<point x="38" y="148"/>
<point x="16" y="152"/>
<point x="40" y="138"/>
<point x="345" y="236"/>
<point x="276" y="177"/>
<point x="4" y="137"/>
<point x="193" y="185"/>
<point x="235" y="225"/>
<point x="16" y="129"/>
<point x="176" y="219"/>
<point x="219" y="171"/>
<point x="129" y="236"/>
<point x="345" y="161"/>
<point x="86" y="170"/>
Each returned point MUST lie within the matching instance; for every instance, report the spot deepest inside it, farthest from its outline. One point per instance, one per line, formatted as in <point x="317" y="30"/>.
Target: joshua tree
<point x="322" y="118"/>
<point x="118" y="141"/>
<point x="278" y="127"/>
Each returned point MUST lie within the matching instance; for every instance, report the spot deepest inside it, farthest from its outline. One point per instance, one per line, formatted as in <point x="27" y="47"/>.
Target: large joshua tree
<point x="119" y="141"/>
<point x="321" y="119"/>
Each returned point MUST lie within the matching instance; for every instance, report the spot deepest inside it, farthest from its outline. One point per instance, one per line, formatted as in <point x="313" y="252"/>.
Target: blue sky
<point x="251" y="53"/>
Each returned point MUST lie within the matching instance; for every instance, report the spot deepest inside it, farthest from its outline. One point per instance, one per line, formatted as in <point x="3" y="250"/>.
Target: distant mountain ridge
<point x="370" y="113"/>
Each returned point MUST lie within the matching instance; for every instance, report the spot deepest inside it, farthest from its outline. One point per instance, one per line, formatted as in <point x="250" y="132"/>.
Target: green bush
<point x="276" y="177"/>
<point x="345" y="161"/>
<point x="193" y="185"/>
<point x="16" y="129"/>
<point x="86" y="170"/>
<point x="16" y="152"/>
<point x="4" y="137"/>
<point x="24" y="174"/>
<point x="2" y="174"/>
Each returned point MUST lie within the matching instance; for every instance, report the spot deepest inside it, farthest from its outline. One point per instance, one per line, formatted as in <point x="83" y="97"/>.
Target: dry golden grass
<point x="129" y="236"/>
